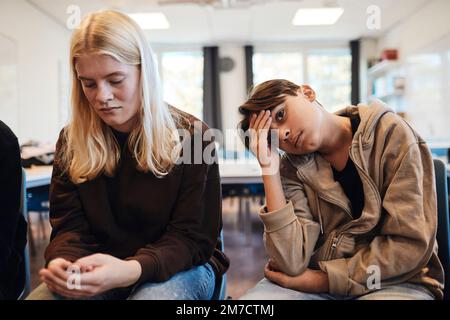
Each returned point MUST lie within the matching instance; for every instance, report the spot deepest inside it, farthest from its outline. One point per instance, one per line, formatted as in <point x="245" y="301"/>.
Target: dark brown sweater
<point x="167" y="224"/>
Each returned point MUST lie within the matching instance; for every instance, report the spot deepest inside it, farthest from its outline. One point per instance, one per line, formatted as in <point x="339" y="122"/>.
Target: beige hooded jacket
<point x="395" y="237"/>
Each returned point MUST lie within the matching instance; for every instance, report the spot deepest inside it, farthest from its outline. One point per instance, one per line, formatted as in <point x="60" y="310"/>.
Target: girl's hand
<point x="59" y="275"/>
<point x="93" y="275"/>
<point x="55" y="276"/>
<point x="259" y="127"/>
<point x="107" y="272"/>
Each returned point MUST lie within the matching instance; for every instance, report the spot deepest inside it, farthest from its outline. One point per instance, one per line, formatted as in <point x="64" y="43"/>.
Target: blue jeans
<point x="267" y="290"/>
<point x="194" y="284"/>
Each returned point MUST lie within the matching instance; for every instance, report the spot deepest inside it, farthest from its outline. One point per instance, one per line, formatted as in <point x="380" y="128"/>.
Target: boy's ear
<point x="308" y="92"/>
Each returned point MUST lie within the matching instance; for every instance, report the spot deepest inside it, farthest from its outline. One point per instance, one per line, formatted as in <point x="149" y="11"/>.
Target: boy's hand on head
<point x="259" y="127"/>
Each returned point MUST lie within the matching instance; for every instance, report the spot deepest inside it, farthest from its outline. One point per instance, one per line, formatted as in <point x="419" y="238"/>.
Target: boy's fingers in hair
<point x="258" y="120"/>
<point x="264" y="129"/>
<point x="252" y="120"/>
<point x="264" y="119"/>
<point x="268" y="123"/>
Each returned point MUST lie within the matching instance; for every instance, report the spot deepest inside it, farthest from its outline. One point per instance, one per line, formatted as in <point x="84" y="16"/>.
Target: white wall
<point x="42" y="45"/>
<point x="426" y="26"/>
<point x="423" y="41"/>
<point x="9" y="111"/>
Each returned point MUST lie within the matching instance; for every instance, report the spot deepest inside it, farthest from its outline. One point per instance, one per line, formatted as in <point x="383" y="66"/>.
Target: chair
<point x="23" y="210"/>
<point x="443" y="232"/>
<point x="37" y="201"/>
<point x="221" y="283"/>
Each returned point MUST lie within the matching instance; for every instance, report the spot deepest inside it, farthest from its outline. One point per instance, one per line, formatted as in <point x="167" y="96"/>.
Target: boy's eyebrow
<point x="277" y="107"/>
<point x="116" y="73"/>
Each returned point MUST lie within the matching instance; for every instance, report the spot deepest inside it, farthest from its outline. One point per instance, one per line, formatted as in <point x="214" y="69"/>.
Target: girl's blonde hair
<point x="91" y="148"/>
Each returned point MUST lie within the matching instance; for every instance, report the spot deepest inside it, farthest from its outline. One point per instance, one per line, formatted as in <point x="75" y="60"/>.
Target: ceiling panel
<point x="249" y="21"/>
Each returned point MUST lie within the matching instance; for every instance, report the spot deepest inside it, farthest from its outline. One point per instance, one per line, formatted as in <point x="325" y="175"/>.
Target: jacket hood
<point x="369" y="115"/>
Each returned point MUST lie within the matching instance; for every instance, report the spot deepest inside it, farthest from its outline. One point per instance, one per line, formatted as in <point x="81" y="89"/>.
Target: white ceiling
<point x="245" y="21"/>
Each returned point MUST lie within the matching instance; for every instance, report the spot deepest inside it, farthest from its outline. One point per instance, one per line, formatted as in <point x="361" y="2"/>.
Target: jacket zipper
<point x="336" y="237"/>
<point x="332" y="247"/>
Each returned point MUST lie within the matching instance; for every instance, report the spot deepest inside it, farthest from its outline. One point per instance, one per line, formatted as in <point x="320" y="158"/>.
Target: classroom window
<point x="328" y="71"/>
<point x="426" y="94"/>
<point x="182" y="80"/>
<point x="277" y="65"/>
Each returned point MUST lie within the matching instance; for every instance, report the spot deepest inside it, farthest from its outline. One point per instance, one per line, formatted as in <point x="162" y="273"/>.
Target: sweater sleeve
<point x="71" y="236"/>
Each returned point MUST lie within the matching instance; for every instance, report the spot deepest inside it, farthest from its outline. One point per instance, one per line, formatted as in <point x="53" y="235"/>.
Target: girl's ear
<point x="308" y="92"/>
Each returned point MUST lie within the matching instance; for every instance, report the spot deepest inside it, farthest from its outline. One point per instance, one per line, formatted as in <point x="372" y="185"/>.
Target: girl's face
<point x="112" y="89"/>
<point x="299" y="121"/>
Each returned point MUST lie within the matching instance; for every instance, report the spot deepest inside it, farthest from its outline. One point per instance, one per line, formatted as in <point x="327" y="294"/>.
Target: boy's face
<point x="299" y="121"/>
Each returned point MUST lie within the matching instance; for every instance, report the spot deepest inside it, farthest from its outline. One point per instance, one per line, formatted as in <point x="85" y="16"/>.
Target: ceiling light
<point x="151" y="20"/>
<point x="317" y="16"/>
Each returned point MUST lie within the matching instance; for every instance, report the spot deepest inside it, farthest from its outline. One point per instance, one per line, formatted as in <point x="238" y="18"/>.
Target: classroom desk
<point x="38" y="176"/>
<point x="242" y="179"/>
<point x="231" y="172"/>
<point x="239" y="172"/>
